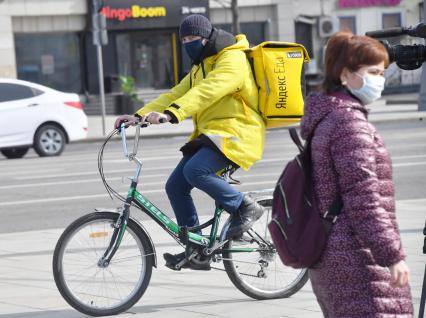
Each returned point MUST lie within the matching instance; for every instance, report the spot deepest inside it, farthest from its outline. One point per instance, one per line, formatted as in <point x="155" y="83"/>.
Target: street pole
<point x="100" y="37"/>
<point x="235" y="17"/>
<point x="422" y="95"/>
<point x="101" y="84"/>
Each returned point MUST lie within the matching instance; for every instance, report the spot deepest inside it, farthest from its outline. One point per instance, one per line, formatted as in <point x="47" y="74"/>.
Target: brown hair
<point x="351" y="51"/>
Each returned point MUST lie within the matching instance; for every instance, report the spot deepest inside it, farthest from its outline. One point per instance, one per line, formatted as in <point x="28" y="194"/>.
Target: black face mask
<point x="194" y="49"/>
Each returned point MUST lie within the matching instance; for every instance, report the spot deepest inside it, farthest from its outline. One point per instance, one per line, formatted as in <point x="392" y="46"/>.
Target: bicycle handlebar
<point x="122" y="131"/>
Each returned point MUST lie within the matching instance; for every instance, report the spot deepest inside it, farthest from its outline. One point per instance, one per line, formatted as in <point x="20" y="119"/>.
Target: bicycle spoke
<point x="259" y="272"/>
<point x="102" y="286"/>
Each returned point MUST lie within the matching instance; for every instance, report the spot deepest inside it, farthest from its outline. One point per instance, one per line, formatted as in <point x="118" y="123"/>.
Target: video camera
<point x="407" y="57"/>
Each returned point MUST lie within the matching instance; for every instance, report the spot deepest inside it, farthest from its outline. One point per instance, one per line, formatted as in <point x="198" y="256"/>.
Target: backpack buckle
<point x="332" y="219"/>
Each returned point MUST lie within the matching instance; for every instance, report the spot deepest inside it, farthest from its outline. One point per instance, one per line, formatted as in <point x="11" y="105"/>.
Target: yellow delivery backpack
<point x="278" y="71"/>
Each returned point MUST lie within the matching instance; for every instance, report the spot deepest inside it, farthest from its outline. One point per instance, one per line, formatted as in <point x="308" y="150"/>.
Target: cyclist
<point x="221" y="96"/>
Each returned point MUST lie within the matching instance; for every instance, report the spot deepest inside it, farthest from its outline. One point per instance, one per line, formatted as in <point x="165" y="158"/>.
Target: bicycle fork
<point x="119" y="230"/>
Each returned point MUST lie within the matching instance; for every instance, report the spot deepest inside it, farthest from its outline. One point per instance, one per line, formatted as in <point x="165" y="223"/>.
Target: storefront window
<point x="51" y="59"/>
<point x="303" y="35"/>
<point x="347" y="23"/>
<point x="148" y="58"/>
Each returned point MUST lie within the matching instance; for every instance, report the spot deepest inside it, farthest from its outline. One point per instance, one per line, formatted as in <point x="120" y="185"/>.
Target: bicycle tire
<point x="247" y="280"/>
<point x="61" y="271"/>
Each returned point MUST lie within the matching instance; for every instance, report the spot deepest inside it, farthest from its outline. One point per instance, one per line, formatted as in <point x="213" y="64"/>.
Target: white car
<point x="33" y="115"/>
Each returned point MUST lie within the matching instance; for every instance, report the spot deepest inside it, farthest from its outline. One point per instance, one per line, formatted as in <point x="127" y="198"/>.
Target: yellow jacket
<point x="223" y="105"/>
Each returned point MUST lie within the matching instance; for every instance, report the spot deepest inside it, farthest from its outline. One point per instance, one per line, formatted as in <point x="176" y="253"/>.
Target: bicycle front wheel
<point x="254" y="266"/>
<point x="94" y="289"/>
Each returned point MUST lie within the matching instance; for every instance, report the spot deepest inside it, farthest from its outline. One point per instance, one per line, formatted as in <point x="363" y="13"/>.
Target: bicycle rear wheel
<point x="260" y="274"/>
<point x="101" y="290"/>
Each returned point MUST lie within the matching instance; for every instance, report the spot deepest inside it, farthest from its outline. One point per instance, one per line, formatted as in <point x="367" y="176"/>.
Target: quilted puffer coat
<point x="349" y="157"/>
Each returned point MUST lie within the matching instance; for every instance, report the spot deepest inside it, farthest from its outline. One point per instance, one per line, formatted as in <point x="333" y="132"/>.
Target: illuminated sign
<point x="366" y="3"/>
<point x="134" y="12"/>
<point x="150" y="14"/>
<point x="194" y="10"/>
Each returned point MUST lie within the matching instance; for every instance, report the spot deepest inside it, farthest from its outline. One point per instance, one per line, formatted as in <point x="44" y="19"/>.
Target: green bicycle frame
<point x="133" y="196"/>
<point x="165" y="222"/>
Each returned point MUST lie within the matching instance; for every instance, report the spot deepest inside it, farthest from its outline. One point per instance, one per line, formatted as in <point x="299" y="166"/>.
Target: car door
<point x="18" y="114"/>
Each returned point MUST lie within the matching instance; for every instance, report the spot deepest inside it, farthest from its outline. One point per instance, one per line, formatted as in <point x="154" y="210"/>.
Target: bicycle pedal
<point x="181" y="263"/>
<point x="174" y="267"/>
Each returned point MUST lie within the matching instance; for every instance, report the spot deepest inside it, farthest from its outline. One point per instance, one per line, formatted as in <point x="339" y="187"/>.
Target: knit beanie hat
<point x="195" y="24"/>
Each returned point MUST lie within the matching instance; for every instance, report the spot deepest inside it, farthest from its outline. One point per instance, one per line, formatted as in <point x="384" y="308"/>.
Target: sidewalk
<point x="27" y="289"/>
<point x="386" y="109"/>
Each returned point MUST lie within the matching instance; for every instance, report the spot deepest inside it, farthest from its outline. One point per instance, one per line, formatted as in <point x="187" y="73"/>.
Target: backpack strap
<point x="330" y="216"/>
<point x="335" y="208"/>
<point x="296" y="139"/>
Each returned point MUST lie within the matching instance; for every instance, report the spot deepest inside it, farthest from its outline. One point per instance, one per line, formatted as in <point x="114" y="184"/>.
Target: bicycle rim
<point x="260" y="274"/>
<point x="98" y="289"/>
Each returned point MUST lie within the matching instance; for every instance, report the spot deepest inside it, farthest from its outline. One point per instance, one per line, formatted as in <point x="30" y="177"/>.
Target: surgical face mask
<point x="371" y="89"/>
<point x="194" y="49"/>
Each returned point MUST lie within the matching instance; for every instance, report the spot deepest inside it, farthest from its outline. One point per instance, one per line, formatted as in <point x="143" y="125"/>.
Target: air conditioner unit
<point x="327" y="26"/>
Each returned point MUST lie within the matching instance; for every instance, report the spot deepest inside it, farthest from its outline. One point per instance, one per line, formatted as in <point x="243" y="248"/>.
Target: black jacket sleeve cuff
<point x="173" y="119"/>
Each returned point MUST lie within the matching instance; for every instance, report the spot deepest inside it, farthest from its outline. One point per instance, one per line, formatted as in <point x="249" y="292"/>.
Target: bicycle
<point x="103" y="261"/>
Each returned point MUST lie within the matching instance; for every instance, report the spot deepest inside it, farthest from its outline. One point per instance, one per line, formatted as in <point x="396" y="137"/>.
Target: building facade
<point x="311" y="22"/>
<point x="50" y="41"/>
<point x="361" y="16"/>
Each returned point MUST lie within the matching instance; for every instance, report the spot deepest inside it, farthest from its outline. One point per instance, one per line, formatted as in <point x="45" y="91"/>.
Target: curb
<point x="400" y="120"/>
<point x="402" y="101"/>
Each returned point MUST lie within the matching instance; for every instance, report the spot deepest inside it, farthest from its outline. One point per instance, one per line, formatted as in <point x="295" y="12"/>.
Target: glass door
<point x="143" y="62"/>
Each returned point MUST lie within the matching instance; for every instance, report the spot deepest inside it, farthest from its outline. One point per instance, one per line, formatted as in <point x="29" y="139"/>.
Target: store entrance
<point x="148" y="57"/>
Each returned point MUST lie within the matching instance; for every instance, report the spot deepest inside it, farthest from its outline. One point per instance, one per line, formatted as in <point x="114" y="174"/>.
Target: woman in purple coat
<point x="362" y="272"/>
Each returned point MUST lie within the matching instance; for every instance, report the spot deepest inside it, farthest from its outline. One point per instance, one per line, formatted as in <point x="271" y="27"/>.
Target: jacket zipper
<point x="307" y="201"/>
<point x="287" y="213"/>
<point x="280" y="227"/>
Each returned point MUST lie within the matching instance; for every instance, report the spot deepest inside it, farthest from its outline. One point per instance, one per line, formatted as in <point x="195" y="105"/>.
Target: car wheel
<point x="14" y="153"/>
<point x="49" y="140"/>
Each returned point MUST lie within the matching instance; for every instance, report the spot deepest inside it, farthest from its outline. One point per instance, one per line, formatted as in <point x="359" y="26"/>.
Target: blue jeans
<point x="199" y="171"/>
